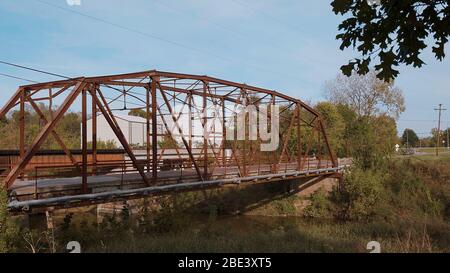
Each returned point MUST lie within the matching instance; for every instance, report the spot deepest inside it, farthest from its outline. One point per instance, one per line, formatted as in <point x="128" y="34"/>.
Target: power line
<point x="180" y="11"/>
<point x="17" y="78"/>
<point x="206" y="19"/>
<point x="421" y="120"/>
<point x="146" y="34"/>
<point x="43" y="72"/>
<point x="33" y="81"/>
<point x="418" y="120"/>
<point x="49" y="73"/>
<point x="152" y="36"/>
<point x="34" y="69"/>
<point x="273" y="18"/>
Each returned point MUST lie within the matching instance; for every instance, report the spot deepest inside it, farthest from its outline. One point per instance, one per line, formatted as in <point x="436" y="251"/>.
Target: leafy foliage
<point x="394" y="30"/>
<point x="408" y="192"/>
<point x="443" y="135"/>
<point x="334" y="124"/>
<point x="138" y="113"/>
<point x="410" y="138"/>
<point x="319" y="207"/>
<point x="108" y="144"/>
<point x="366" y="95"/>
<point x="168" y="142"/>
<point x="362" y="194"/>
<point x="8" y="230"/>
<point x="68" y="129"/>
<point x="372" y="140"/>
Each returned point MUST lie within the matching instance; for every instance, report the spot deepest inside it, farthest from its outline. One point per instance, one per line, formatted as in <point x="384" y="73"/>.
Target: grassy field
<point x="431" y="150"/>
<point x="275" y="234"/>
<point x="444" y="156"/>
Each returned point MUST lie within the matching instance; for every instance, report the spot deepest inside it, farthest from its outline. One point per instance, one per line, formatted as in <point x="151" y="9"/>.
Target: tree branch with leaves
<point x="391" y="33"/>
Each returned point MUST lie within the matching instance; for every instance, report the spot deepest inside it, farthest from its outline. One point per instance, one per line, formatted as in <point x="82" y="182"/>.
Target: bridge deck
<point x="66" y="191"/>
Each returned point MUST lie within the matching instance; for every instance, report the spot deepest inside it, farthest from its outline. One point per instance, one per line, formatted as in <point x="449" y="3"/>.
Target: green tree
<point x="410" y="138"/>
<point x="397" y="31"/>
<point x="385" y="130"/>
<point x="371" y="140"/>
<point x="101" y="144"/>
<point x="362" y="194"/>
<point x="168" y="142"/>
<point x="446" y="137"/>
<point x="442" y="137"/>
<point x="334" y="124"/>
<point x="349" y="118"/>
<point x="426" y="142"/>
<point x="138" y="113"/>
<point x="366" y="95"/>
<point x="68" y="129"/>
<point x="368" y="107"/>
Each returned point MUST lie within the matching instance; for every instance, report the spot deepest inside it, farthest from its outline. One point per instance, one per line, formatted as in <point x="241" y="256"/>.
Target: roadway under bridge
<point x="178" y="158"/>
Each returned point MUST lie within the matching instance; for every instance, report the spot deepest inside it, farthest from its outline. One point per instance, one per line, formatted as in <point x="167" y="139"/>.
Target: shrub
<point x="285" y="206"/>
<point x="362" y="194"/>
<point x="8" y="231"/>
<point x="408" y="191"/>
<point x="319" y="207"/>
<point x="171" y="216"/>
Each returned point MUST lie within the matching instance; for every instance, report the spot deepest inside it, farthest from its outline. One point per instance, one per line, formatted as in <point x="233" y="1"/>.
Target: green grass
<point x="275" y="234"/>
<point x="443" y="157"/>
<point x="429" y="154"/>
<point x="431" y="149"/>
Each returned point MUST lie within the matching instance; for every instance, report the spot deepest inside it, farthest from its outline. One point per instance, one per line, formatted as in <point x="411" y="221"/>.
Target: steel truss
<point x="164" y="96"/>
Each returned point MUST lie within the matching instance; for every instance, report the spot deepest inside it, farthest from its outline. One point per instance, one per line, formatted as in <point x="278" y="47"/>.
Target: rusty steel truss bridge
<point x="171" y="159"/>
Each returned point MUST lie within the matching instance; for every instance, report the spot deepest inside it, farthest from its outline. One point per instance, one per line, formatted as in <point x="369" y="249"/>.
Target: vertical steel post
<point x="205" y="130"/>
<point x="50" y="103"/>
<point x="94" y="132"/>
<point x="147" y="124"/>
<point x="84" y="141"/>
<point x="299" y="144"/>
<point x="224" y="133"/>
<point x="190" y="123"/>
<point x="319" y="149"/>
<point x="274" y="154"/>
<point x="246" y="129"/>
<point x="154" y="130"/>
<point x="22" y="124"/>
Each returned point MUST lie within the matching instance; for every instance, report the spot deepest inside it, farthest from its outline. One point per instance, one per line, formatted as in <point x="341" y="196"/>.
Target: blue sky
<point x="286" y="45"/>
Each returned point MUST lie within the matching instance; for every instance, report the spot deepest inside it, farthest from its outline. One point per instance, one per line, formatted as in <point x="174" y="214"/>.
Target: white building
<point x="133" y="128"/>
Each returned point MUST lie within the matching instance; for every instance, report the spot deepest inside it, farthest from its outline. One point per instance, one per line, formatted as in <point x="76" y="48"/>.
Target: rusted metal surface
<point x="165" y="96"/>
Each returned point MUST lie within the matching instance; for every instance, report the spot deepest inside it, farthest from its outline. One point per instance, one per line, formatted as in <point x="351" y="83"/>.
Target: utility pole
<point x="440" y="109"/>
